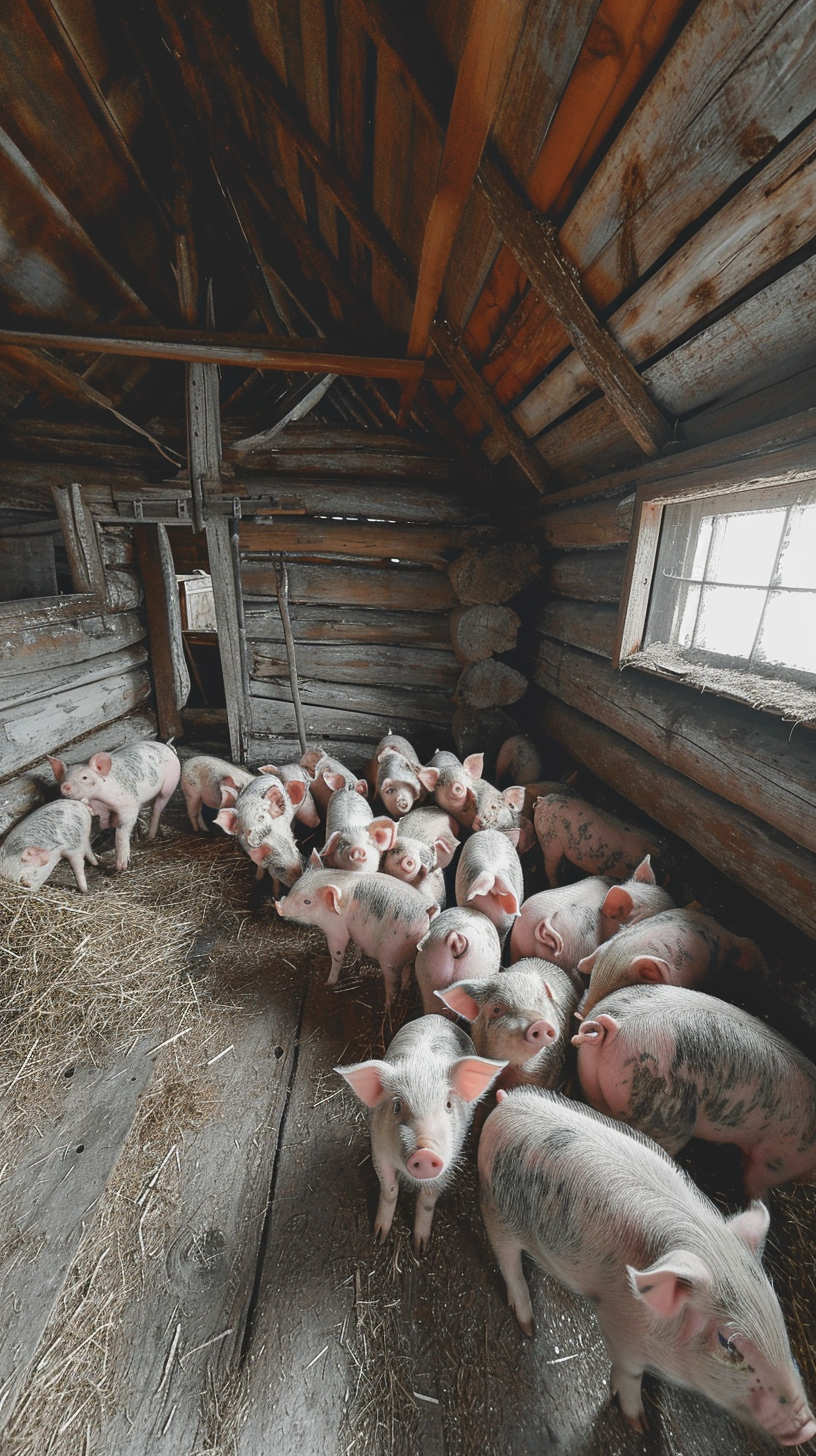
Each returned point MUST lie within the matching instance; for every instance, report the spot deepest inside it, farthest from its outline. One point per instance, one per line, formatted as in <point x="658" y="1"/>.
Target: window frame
<point x="733" y="480"/>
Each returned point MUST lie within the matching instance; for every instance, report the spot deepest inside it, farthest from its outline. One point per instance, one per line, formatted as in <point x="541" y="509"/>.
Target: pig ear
<point x="57" y="769"/>
<point x="507" y="897"/>
<point x="644" y="873"/>
<point x="460" y="1000"/>
<point x="310" y="759"/>
<point x="752" y="1226"/>
<point x="514" y="796"/>
<point x="383" y="832"/>
<point x="651" y="968"/>
<point x="668" y="1286"/>
<point x="362" y="788"/>
<point x="445" y="849"/>
<point x="514" y="835"/>
<point x="471" y="1076"/>
<point x="34" y="855"/>
<point x="101" y="763"/>
<point x="618" y="904"/>
<point x="332" y="897"/>
<point x="474" y="765"/>
<point x="296" y="792"/>
<point x="600" y="1028"/>
<point x="227" y="818"/>
<point x="330" y="844"/>
<point x="269" y="768"/>
<point x="335" y="781"/>
<point x="548" y="937"/>
<point x="457" y="943"/>
<point x="258" y="853"/>
<point x="315" y="861"/>
<point x="366" y="1079"/>
<point x="381" y="756"/>
<point x="428" y="777"/>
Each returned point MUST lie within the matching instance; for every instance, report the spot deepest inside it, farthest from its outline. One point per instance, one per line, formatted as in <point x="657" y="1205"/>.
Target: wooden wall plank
<point x="388" y="702"/>
<point x="200" y="1281"/>
<point x="410" y="667"/>
<point x="28" y="732"/>
<point x="281" y="745"/>
<point x="272" y="720"/>
<point x="581" y="624"/>
<point x="395" y="589"/>
<point x="171" y="677"/>
<point x="734" y="752"/>
<point x="49" y="1208"/>
<point x="355" y="626"/>
<point x="433" y="545"/>
<point x="765" y="862"/>
<point x="225" y="594"/>
<point x="19" y="689"/>
<point x="591" y="576"/>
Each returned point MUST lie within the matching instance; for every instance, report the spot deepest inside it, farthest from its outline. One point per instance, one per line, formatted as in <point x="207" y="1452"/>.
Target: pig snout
<point x="425" y="1164"/>
<point x="538" y="1033"/>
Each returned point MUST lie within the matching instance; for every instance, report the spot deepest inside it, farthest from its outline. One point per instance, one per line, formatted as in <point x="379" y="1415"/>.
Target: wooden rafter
<point x="533" y="242"/>
<point x="490" y="46"/>
<point x="295" y="405"/>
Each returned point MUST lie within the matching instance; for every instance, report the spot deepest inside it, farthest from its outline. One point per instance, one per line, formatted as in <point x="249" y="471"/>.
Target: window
<point x="722" y="592"/>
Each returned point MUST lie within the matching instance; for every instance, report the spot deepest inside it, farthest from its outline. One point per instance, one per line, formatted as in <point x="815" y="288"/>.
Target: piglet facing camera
<point x="523" y="1016"/>
<point x="422" y="1096"/>
<point x="116" y="785"/>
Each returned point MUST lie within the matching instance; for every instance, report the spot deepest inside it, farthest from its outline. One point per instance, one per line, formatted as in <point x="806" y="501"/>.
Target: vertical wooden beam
<point x="493" y="32"/>
<point x="170" y="676"/>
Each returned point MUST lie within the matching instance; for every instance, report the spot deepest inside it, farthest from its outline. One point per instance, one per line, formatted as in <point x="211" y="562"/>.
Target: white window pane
<point x="798" y="564"/>
<point x="789" y="631"/>
<point x="701" y="547"/>
<point x="729" y="619"/>
<point x="745" y="546"/>
<point x="685" y="631"/>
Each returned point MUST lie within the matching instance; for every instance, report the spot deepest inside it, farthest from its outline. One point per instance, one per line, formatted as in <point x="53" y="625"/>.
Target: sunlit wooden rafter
<point x="492" y="37"/>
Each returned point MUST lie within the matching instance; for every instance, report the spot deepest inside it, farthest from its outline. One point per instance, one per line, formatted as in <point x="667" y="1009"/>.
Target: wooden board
<point x="393" y="588"/>
<point x="358" y="626"/>
<point x="198" y="1290"/>
<point x="29" y="731"/>
<point x="388" y="703"/>
<point x="433" y="545"/>
<point x="275" y="720"/>
<point x="583" y="624"/>
<point x="405" y="667"/>
<point x="736" y="753"/>
<point x="763" y="861"/>
<point x="593" y="576"/>
<point x="47" y="1197"/>
<point x="30" y="687"/>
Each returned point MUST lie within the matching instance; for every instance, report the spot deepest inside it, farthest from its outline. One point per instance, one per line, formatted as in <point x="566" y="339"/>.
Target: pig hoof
<point x="527" y="1326"/>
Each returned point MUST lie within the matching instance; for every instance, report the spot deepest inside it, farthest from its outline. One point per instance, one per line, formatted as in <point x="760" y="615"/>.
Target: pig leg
<point x="193" y="800"/>
<point x="124" y="830"/>
<point x="393" y="977"/>
<point x="508" y="1252"/>
<point x="423" y="1218"/>
<point x="338" y="941"/>
<point x="389" y="1186"/>
<point x="625" y="1382"/>
<point x="76" y="861"/>
<point x="90" y="857"/>
<point x="158" y="804"/>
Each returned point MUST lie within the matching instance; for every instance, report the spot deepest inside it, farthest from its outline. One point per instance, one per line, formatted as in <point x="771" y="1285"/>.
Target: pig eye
<point x="307" y="902"/>
<point x="497" y="1009"/>
<point x="726" y="1345"/>
<point x="397" y="1106"/>
<point x="449" y="1105"/>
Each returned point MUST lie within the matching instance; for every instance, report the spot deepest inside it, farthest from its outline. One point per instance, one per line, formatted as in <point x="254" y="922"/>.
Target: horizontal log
<point x="40" y="645"/>
<point x="269" y="718"/>
<point x="494" y="574"/>
<point x="29" y="687"/>
<point x="355" y="625"/>
<point x="116" y="547"/>
<point x="430" y="707"/>
<point x="605" y="522"/>
<point x="764" y="862"/>
<point x="582" y="624"/>
<point x="394" y="588"/>
<point x="490" y="684"/>
<point x="408" y="667"/>
<point x="30" y="731"/>
<point x="433" y="545"/>
<point x="592" y="576"/>
<point x="734" y="752"/>
<point x="24" y="792"/>
<point x="479" y="632"/>
<point x="123" y="589"/>
<point x="244" y="351"/>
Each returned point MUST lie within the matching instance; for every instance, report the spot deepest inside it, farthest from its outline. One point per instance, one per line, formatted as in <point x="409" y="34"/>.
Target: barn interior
<point x="355" y="362"/>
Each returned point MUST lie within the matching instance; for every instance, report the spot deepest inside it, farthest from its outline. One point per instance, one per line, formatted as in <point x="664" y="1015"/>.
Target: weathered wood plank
<point x="603" y="523"/>
<point x="46" y="1199"/>
<point x="735" y="752"/>
<point x="390" y="702"/>
<point x="356" y="626"/>
<point x="765" y="862"/>
<point x="225" y="594"/>
<point x="280" y="745"/>
<point x="582" y="624"/>
<point x="22" y="688"/>
<point x="409" y="667"/>
<point x="433" y="545"/>
<point x="22" y="793"/>
<point x="171" y="677"/>
<point x="271" y="719"/>
<point x="200" y="1282"/>
<point x="395" y="588"/>
<point x="591" y="576"/>
<point x="33" y="729"/>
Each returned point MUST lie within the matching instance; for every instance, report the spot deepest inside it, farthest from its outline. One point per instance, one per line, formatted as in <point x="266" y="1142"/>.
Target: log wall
<point x="737" y="784"/>
<point x="74" y="670"/>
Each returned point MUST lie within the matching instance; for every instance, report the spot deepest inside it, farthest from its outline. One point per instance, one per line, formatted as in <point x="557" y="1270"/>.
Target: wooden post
<point x="166" y="650"/>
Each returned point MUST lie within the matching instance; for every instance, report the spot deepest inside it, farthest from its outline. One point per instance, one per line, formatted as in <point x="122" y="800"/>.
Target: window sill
<point x="787" y="700"/>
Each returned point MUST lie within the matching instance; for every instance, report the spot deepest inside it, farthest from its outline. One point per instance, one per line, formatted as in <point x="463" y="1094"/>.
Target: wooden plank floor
<point x="263" y="1318"/>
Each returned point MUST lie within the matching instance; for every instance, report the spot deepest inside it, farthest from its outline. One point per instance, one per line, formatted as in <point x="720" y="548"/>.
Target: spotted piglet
<point x="596" y="842"/>
<point x="523" y="1016"/>
<point x="116" y="785"/>
<point x="460" y="944"/>
<point x="421" y="1095"/>
<point x="400" y="780"/>
<point x="489" y="878"/>
<point x="205" y="780"/>
<point x="32" y="850"/>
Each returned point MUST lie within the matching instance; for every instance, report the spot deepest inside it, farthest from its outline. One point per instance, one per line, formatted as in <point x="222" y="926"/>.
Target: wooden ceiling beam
<point x="490" y="45"/>
<point x="295" y="356"/>
<point x="524" y="453"/>
<point x="295" y="405"/>
<point x="533" y="242"/>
